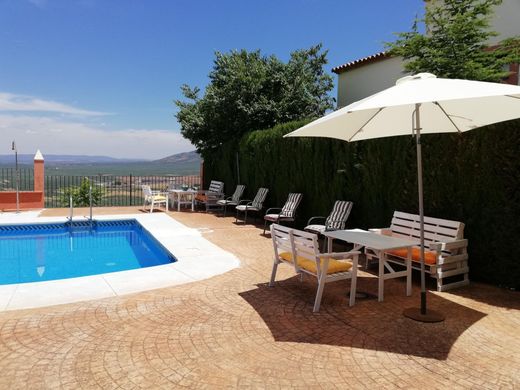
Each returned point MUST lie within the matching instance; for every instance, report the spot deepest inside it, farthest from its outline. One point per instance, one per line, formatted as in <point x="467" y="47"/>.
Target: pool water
<point x="31" y="253"/>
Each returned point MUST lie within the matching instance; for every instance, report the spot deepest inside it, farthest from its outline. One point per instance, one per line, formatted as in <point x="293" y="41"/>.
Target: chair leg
<point x="245" y="217"/>
<point x="144" y="205"/>
<point x="265" y="225"/>
<point x="151" y="206"/>
<point x="225" y="209"/>
<point x="319" y="293"/>
<point x="273" y="273"/>
<point x="353" y="282"/>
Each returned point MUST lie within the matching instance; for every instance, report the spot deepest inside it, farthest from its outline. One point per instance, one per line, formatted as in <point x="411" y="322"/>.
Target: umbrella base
<point x="431" y="315"/>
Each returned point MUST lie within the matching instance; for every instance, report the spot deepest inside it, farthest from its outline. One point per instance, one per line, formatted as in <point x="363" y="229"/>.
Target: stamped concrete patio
<point x="233" y="331"/>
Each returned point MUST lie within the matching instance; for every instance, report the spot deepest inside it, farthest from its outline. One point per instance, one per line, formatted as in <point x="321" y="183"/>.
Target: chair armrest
<point x="309" y="222"/>
<point x="271" y="209"/>
<point x="449" y="245"/>
<point x="383" y="231"/>
<point x="244" y="201"/>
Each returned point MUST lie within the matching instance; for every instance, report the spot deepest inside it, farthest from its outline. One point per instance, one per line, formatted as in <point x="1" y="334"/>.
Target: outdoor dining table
<point x="183" y="197"/>
<point x="378" y="243"/>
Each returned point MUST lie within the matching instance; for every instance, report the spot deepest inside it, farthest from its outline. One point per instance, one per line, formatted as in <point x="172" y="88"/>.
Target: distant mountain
<point x="64" y="159"/>
<point x="187" y="157"/>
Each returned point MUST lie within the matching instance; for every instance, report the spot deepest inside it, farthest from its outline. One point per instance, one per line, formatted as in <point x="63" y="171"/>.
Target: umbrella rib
<point x="364" y="124"/>
<point x="448" y="116"/>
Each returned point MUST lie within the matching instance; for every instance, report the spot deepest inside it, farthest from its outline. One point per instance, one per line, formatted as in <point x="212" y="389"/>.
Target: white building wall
<point x="363" y="81"/>
<point x="360" y="82"/>
<point x="506" y="20"/>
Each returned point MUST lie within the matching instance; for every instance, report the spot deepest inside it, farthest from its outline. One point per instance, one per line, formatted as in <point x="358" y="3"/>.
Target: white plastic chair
<point x="153" y="198"/>
<point x="290" y="244"/>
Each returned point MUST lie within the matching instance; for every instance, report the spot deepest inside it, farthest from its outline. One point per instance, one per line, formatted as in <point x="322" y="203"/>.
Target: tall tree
<point x="456" y="44"/>
<point x="249" y="91"/>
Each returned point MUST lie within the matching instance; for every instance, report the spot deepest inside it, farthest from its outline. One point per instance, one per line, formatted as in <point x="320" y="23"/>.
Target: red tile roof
<point x="362" y="61"/>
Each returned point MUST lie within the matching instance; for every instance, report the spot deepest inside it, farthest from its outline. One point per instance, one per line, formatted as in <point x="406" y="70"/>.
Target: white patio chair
<point x="290" y="244"/>
<point x="335" y="221"/>
<point x="287" y="213"/>
<point x="153" y="198"/>
<point x="233" y="200"/>
<point x="255" y="205"/>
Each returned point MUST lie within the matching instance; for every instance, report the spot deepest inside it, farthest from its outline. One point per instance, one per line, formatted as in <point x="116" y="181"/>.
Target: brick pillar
<point x="39" y="176"/>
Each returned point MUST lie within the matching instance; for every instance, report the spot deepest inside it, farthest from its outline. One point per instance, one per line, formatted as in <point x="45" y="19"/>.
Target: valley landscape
<point x="180" y="164"/>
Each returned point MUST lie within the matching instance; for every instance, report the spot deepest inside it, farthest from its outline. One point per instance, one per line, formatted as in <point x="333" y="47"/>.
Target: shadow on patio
<point x="287" y="310"/>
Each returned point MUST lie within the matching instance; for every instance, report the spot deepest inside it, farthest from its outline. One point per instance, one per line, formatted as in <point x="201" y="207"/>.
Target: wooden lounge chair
<point x="153" y="198"/>
<point x="209" y="197"/>
<point x="290" y="244"/>
<point x="335" y="221"/>
<point x="285" y="214"/>
<point x="233" y="200"/>
<point x="255" y="205"/>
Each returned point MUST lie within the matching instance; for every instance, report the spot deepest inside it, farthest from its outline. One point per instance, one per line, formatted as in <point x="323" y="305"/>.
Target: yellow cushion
<point x="335" y="266"/>
<point x="429" y="257"/>
<point x="158" y="198"/>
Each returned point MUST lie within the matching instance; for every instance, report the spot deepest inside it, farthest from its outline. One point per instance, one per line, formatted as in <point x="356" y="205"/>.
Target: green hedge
<point x="474" y="178"/>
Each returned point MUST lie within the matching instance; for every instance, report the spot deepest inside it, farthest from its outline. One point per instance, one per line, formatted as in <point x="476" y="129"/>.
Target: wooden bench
<point x="211" y="196"/>
<point x="446" y="253"/>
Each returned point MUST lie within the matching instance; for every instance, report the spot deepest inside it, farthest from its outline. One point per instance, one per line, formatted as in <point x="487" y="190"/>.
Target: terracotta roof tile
<point x="362" y="61"/>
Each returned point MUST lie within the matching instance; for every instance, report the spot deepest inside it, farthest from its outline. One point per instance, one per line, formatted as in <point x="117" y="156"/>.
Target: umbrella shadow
<point x="490" y="295"/>
<point x="286" y="309"/>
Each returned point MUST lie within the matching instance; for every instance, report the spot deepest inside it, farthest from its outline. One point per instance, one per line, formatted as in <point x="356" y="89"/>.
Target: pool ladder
<point x="71" y="207"/>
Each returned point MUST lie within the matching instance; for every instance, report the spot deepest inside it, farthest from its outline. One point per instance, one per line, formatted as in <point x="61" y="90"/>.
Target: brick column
<point x="39" y="176"/>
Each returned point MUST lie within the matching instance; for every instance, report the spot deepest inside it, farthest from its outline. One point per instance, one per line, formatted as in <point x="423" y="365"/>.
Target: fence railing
<point x="8" y="179"/>
<point x="115" y="190"/>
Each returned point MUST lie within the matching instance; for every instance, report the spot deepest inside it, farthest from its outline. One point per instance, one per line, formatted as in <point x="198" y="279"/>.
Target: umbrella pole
<point x="421" y="314"/>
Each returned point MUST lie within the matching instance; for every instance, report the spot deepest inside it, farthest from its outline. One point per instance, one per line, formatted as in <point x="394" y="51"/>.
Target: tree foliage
<point x="456" y="44"/>
<point x="249" y="91"/>
<point x="80" y="194"/>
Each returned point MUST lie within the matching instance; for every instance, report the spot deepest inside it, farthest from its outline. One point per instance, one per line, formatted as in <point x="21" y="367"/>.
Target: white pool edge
<point x="197" y="259"/>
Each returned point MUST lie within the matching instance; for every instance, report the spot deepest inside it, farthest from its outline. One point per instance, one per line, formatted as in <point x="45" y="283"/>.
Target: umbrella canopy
<point x="446" y="106"/>
<point x="425" y="104"/>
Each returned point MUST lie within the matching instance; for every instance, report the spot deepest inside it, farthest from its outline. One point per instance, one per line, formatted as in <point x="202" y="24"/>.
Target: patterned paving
<point x="233" y="331"/>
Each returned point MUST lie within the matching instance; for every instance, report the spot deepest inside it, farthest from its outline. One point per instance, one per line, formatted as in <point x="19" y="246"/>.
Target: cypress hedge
<point x="473" y="178"/>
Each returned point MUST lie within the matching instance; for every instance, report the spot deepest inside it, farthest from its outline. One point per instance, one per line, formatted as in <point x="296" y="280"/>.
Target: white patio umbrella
<point x="422" y="104"/>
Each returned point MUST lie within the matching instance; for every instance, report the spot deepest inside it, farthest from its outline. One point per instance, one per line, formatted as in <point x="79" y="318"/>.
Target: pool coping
<point x="197" y="259"/>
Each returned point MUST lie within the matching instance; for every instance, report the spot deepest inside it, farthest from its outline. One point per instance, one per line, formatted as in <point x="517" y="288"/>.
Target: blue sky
<point x="99" y="77"/>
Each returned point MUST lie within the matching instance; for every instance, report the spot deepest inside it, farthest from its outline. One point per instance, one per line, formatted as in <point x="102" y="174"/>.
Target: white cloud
<point x="13" y="102"/>
<point x="61" y="136"/>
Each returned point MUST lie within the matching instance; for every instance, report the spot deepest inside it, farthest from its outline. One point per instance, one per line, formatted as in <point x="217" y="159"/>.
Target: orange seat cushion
<point x="429" y="257"/>
<point x="335" y="266"/>
<point x="201" y="198"/>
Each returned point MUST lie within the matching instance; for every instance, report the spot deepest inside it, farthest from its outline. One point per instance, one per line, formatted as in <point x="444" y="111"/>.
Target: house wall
<point x="362" y="81"/>
<point x="506" y="20"/>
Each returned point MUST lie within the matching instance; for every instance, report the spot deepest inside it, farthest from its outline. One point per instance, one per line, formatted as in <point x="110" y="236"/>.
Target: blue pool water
<point x="31" y="253"/>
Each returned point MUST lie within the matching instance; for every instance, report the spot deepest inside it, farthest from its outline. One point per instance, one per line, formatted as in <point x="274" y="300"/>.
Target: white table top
<point x="370" y="239"/>
<point x="183" y="191"/>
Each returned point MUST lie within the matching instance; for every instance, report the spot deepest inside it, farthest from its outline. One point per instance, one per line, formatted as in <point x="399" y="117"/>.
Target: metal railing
<point x="114" y="190"/>
<point x="8" y="179"/>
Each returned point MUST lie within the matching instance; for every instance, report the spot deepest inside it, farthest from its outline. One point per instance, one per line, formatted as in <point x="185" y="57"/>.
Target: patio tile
<point x="232" y="331"/>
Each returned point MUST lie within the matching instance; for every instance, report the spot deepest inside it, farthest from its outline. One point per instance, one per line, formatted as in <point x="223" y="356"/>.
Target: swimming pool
<point x="51" y="251"/>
